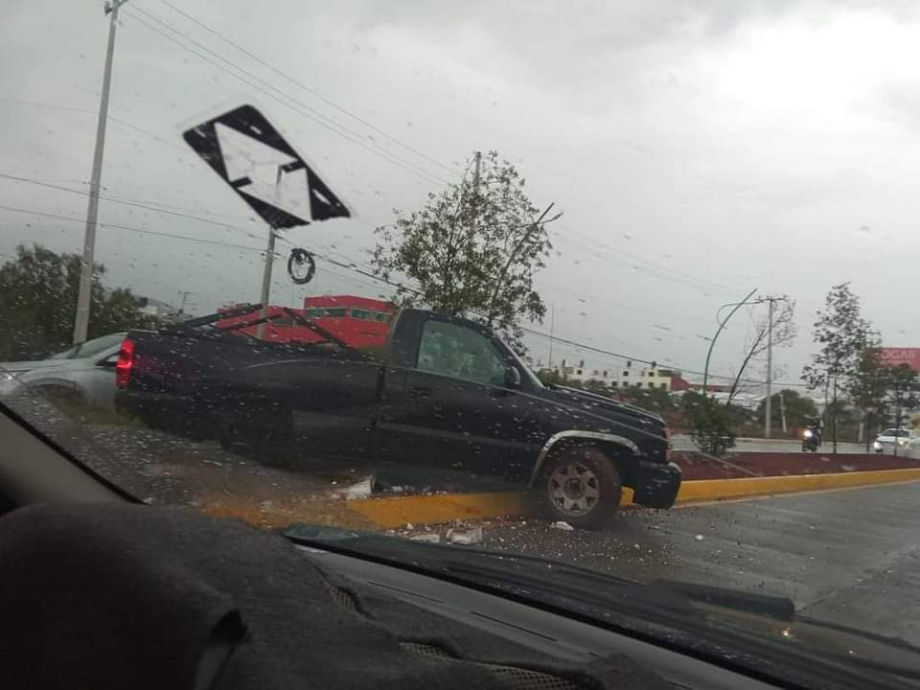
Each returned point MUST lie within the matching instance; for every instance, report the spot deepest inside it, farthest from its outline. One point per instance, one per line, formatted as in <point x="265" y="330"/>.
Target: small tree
<point x="711" y="424"/>
<point x="472" y="249"/>
<point x="654" y="399"/>
<point x="38" y="300"/>
<point x="596" y="386"/>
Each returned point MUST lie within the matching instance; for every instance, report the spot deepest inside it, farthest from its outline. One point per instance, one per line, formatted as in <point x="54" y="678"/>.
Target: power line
<point x="631" y="257"/>
<point x="87" y="111"/>
<point x="125" y="202"/>
<point x="298" y="106"/>
<point x="310" y="90"/>
<point x="118" y="226"/>
<point x="642" y="265"/>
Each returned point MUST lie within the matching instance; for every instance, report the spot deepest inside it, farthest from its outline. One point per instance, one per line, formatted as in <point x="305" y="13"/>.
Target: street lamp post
<point x="737" y="306"/>
<point x="84" y="296"/>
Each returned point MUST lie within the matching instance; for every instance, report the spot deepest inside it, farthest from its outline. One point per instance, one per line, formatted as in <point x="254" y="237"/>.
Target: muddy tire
<point x="580" y="486"/>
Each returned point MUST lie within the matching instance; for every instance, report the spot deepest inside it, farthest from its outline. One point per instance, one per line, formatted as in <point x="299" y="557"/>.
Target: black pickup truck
<point x="444" y="392"/>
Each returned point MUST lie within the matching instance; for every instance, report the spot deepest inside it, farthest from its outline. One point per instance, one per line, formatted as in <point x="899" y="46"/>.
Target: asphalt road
<point x="848" y="556"/>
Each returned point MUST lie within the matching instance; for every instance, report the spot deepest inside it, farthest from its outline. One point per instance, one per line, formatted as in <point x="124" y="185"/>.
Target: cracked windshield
<point x="625" y="288"/>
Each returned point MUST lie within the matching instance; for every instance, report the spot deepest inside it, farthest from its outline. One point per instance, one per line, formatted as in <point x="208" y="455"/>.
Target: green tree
<point x="843" y="335"/>
<point x="552" y="377"/>
<point x="654" y="399"/>
<point x="799" y="409"/>
<point x="472" y="249"/>
<point x="868" y="390"/>
<point x="903" y="392"/>
<point x="38" y="297"/>
<point x="597" y="386"/>
<point x="712" y="426"/>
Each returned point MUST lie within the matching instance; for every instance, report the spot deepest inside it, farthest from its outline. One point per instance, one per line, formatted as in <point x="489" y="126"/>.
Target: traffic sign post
<point x="251" y="156"/>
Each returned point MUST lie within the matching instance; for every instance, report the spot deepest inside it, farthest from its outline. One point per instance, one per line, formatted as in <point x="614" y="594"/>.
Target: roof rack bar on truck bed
<point x="211" y="318"/>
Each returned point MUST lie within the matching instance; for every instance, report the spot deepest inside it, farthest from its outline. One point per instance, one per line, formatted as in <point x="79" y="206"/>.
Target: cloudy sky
<point x="697" y="149"/>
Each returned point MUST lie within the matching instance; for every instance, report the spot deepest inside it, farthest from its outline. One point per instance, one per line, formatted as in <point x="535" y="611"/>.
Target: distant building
<point x="618" y="377"/>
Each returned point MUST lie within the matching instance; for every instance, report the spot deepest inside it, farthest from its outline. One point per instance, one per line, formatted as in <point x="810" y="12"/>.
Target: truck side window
<point x="453" y="350"/>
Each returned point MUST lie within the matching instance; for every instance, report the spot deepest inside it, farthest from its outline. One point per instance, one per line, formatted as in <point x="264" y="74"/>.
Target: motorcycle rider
<point x="812" y="436"/>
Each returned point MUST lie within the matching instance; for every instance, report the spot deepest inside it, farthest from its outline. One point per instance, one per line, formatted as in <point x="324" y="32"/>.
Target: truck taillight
<point x="124" y="364"/>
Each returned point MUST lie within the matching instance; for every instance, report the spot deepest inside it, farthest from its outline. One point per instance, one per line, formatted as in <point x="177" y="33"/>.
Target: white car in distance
<point x="887" y="440"/>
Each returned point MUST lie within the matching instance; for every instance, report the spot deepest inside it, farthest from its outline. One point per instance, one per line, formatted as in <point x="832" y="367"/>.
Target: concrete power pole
<point x="84" y="296"/>
<point x="768" y="416"/>
<point x="768" y="403"/>
<point x="265" y="295"/>
<point x="476" y="165"/>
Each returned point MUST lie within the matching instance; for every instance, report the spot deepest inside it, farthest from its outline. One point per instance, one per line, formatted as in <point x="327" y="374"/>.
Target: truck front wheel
<point x="580" y="486"/>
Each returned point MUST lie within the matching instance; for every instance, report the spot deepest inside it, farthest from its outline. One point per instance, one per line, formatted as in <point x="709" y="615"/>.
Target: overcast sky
<point x="697" y="149"/>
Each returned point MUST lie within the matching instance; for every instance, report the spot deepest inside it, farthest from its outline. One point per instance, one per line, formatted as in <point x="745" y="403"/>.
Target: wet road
<point x="851" y="556"/>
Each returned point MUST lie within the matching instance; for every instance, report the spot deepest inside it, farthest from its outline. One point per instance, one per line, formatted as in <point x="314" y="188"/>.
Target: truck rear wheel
<point x="580" y="486"/>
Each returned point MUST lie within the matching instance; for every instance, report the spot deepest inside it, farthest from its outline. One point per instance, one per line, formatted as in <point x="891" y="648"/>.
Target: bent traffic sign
<point x="244" y="148"/>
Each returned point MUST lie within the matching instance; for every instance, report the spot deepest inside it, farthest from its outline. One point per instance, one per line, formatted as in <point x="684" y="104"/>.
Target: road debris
<point x="431" y="538"/>
<point x="564" y="526"/>
<point x="358" y="490"/>
<point x="465" y="537"/>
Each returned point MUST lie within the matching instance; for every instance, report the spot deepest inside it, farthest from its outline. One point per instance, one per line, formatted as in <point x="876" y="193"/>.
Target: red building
<point x="896" y="356"/>
<point x="359" y="321"/>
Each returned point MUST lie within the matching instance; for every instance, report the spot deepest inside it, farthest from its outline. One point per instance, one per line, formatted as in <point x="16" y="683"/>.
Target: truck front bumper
<point x="656" y="484"/>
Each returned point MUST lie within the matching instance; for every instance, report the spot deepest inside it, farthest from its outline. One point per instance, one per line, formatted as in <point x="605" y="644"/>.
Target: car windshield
<point x="611" y="286"/>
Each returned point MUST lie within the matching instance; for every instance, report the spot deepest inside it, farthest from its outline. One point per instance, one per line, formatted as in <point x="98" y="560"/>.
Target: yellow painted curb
<point x="717" y="489"/>
<point x="396" y="511"/>
<point x="399" y="510"/>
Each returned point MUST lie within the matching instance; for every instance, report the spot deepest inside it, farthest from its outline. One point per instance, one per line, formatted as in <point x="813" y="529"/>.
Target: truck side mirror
<point x="512" y="377"/>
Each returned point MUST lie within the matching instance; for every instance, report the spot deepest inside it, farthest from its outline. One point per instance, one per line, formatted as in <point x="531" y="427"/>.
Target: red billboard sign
<point x="895" y="356"/>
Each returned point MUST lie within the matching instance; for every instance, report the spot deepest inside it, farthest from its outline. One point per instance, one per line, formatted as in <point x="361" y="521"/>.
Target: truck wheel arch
<point x="619" y="450"/>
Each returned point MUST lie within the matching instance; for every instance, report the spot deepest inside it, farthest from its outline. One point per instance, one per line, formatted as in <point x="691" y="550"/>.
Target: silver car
<point x="85" y="372"/>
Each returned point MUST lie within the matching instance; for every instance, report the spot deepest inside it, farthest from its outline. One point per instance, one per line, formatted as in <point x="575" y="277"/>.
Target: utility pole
<point x="552" y="327"/>
<point x="269" y="262"/>
<point x="782" y="411"/>
<point x="84" y="296"/>
<point x="769" y="404"/>
<point x="476" y="165"/>
<point x="266" y="280"/>
<point x="183" y="298"/>
<point x="897" y="418"/>
<point x="477" y="160"/>
<point x="835" y="413"/>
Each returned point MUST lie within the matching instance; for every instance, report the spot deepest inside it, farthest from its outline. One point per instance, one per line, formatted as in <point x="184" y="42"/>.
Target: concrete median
<point x="271" y="510"/>
<point x="397" y="511"/>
